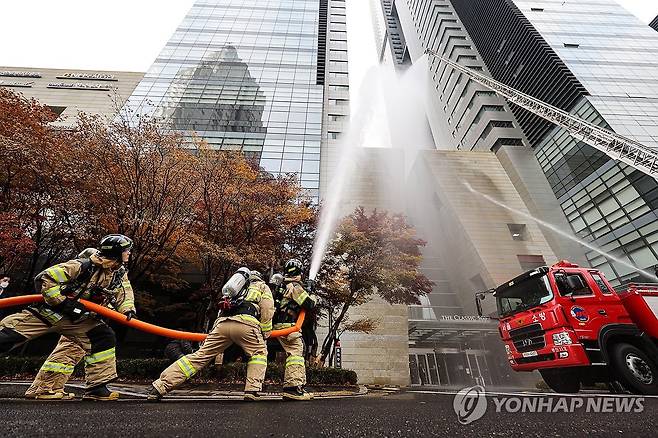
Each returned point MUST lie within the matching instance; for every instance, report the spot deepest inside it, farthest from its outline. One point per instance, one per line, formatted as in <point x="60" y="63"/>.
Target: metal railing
<point x="616" y="146"/>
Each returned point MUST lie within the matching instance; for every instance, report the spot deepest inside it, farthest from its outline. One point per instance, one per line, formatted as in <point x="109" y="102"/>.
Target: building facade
<point x="248" y="76"/>
<point x="68" y="92"/>
<point x="597" y="61"/>
<point x="267" y="78"/>
<point x="464" y="115"/>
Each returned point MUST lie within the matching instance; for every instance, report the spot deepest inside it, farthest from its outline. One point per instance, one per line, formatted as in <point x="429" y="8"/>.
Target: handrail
<point x="141" y="325"/>
<point x="616" y="146"/>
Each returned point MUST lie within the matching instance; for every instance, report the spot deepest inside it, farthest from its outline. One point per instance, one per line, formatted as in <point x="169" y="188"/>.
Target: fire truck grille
<point x="528" y="338"/>
<point x="533" y="359"/>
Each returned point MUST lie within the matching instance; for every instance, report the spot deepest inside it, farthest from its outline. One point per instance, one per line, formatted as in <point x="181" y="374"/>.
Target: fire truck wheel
<point x="561" y="380"/>
<point x="636" y="371"/>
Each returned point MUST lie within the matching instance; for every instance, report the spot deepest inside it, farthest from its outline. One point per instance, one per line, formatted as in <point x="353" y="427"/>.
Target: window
<point x="502" y="124"/>
<point x="518" y="231"/>
<point x="57" y="110"/>
<point x="571" y="45"/>
<point x="529" y="262"/>
<point x="565" y="289"/>
<point x="508" y="142"/>
<point x="600" y="283"/>
<point x="333" y="135"/>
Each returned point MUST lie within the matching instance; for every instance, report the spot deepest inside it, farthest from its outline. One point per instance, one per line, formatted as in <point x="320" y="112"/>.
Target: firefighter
<point x="245" y="319"/>
<point x="58" y="367"/>
<point x="290" y="298"/>
<point x="61" y="286"/>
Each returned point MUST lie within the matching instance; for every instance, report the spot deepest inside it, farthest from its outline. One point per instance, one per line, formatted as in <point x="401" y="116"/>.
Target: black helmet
<point x="113" y="245"/>
<point x="293" y="268"/>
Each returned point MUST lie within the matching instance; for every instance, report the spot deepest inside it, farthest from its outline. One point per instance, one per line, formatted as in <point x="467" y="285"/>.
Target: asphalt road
<point x="398" y="414"/>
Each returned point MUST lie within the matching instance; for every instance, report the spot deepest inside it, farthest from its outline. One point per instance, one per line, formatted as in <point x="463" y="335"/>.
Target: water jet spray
<point x="560" y="232"/>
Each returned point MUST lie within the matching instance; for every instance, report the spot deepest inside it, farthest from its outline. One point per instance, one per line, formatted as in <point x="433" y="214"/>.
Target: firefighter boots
<point x="100" y="393"/>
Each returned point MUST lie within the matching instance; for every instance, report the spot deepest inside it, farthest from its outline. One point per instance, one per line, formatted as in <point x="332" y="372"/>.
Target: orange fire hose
<point x="141" y="325"/>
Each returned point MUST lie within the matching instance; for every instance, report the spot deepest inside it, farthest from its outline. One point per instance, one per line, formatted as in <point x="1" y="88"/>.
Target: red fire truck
<point x="569" y="323"/>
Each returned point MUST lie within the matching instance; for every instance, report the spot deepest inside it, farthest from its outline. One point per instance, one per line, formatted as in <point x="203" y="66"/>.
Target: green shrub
<point x="149" y="369"/>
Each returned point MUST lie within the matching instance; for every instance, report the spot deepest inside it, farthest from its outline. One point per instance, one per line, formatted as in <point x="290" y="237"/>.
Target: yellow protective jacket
<point x="259" y="294"/>
<point x="294" y="297"/>
<point x="59" y="281"/>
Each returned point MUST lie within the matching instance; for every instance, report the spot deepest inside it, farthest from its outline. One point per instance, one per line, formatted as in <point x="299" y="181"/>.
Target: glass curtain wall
<point x="243" y="76"/>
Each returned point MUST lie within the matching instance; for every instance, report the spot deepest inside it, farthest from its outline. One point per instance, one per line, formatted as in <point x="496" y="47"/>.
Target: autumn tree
<point x="188" y="208"/>
<point x="374" y="254"/>
<point x="37" y="189"/>
<point x="63" y="189"/>
<point x="243" y="217"/>
<point x="140" y="181"/>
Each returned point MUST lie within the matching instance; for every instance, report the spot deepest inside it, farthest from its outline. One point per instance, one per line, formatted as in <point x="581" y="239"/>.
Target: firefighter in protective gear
<point x="62" y="285"/>
<point x="58" y="367"/>
<point x="247" y="323"/>
<point x="290" y="298"/>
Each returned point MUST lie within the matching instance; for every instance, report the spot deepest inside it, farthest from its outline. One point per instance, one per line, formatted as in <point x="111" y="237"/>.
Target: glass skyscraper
<point x="596" y="60"/>
<point x="245" y="75"/>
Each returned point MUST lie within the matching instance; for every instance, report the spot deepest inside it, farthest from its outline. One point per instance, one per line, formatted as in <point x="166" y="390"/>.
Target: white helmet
<point x="276" y="279"/>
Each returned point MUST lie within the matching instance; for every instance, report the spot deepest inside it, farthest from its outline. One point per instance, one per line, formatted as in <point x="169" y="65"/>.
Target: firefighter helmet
<point x="257" y="274"/>
<point x="113" y="245"/>
<point x="293" y="268"/>
<point x="276" y="280"/>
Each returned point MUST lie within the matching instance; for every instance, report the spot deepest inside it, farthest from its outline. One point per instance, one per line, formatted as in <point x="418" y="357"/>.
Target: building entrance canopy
<point x="450" y="327"/>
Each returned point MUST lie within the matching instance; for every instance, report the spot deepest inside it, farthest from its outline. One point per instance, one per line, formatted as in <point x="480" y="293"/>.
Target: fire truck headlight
<point x="562" y="338"/>
<point x="508" y="350"/>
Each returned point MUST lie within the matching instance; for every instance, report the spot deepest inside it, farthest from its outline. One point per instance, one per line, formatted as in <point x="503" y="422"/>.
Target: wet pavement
<point x="379" y="413"/>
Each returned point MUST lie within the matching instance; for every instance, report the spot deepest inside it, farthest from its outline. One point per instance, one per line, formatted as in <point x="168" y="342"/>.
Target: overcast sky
<point x="128" y="34"/>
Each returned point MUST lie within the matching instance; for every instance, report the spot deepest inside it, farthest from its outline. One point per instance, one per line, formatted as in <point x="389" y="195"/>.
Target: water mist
<point x="561" y="232"/>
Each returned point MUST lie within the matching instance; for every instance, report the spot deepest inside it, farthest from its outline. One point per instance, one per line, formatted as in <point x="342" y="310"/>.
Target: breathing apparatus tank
<point x="234" y="291"/>
<point x="236" y="283"/>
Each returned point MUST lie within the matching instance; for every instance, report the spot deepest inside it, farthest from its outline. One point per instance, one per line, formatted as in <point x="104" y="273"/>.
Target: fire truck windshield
<point x="524" y="295"/>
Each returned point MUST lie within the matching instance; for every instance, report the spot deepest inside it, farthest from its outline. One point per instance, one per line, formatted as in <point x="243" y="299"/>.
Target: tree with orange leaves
<point x="243" y="217"/>
<point x="140" y="180"/>
<point x="35" y="186"/>
<point x="374" y="254"/>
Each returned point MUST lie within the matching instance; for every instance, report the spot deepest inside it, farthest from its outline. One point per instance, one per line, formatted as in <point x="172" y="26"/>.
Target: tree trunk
<point x="328" y="342"/>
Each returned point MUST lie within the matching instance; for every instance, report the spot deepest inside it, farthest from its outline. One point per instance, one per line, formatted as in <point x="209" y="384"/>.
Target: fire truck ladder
<point x="614" y="145"/>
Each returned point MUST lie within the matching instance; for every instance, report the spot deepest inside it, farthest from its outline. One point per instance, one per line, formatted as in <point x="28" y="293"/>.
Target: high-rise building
<point x="591" y="58"/>
<point x="464" y="115"/>
<point x="597" y="61"/>
<point x="254" y="76"/>
<point x="444" y="335"/>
